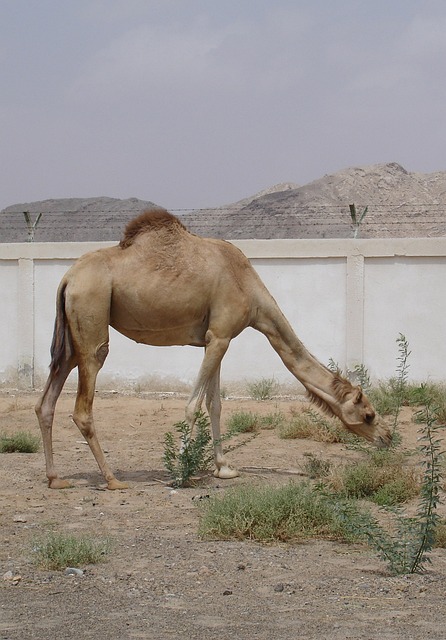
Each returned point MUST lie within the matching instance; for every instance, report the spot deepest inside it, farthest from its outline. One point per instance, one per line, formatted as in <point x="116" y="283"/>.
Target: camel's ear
<point x="358" y="396"/>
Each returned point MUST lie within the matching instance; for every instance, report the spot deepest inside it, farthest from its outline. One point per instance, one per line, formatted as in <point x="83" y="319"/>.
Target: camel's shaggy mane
<point x="341" y="388"/>
<point x="150" y="220"/>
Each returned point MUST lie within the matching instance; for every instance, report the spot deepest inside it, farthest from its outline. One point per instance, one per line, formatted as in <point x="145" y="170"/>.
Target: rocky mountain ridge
<point x="399" y="204"/>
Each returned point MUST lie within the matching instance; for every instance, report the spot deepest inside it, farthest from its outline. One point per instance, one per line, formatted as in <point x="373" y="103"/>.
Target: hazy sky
<point x="196" y="103"/>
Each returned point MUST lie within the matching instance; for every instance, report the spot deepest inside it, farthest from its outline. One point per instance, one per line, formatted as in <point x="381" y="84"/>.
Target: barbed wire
<point x="233" y="208"/>
<point x="315" y="215"/>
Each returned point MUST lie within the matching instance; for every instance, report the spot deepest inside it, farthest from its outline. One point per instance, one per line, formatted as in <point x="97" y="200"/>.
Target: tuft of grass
<point x="272" y="420"/>
<point x="440" y="534"/>
<point x="242" y="422"/>
<point x="382" y="478"/>
<point x="407" y="550"/>
<point x="249" y="422"/>
<point x="316" y="467"/>
<point x="309" y="424"/>
<point x="290" y="513"/>
<point x="263" y="389"/>
<point x="192" y="456"/>
<point x="19" y="442"/>
<point x="57" y="551"/>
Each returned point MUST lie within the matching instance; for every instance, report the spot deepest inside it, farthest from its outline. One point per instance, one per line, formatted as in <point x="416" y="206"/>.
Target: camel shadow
<point x="142" y="476"/>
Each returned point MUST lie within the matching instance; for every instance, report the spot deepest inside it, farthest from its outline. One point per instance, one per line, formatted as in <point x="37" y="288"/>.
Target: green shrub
<point x="406" y="551"/>
<point x="358" y="375"/>
<point x="309" y="424"/>
<point x="381" y="478"/>
<point x="293" y="512"/>
<point x="249" y="422"/>
<point x="315" y="467"/>
<point x="192" y="456"/>
<point x="242" y="422"/>
<point x="272" y="420"/>
<point x="19" y="442"/>
<point x="263" y="389"/>
<point x="57" y="551"/>
<point x="440" y="534"/>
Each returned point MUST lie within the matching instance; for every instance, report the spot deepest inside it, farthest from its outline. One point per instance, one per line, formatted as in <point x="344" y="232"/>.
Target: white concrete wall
<point x="347" y="300"/>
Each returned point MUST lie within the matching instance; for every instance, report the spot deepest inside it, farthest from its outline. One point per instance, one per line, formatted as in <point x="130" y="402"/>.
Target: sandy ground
<point x="162" y="581"/>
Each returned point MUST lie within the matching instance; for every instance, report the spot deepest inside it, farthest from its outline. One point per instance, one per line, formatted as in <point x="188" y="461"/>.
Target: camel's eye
<point x="369" y="417"/>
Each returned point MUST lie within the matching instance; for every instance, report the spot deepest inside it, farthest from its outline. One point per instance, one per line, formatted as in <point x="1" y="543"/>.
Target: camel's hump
<point x="151" y="220"/>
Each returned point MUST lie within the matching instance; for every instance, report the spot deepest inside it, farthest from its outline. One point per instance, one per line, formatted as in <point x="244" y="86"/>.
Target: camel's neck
<point x="316" y="378"/>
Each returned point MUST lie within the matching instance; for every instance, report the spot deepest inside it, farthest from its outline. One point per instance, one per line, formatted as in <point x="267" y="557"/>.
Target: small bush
<point x="407" y="550"/>
<point x="358" y="375"/>
<point x="382" y="478"/>
<point x="294" y="512"/>
<point x="194" y="455"/>
<point x="242" y="422"/>
<point x="20" y="442"/>
<point x="440" y="534"/>
<point x="311" y="425"/>
<point x="58" y="551"/>
<point x="262" y="389"/>
<point x="315" y="467"/>
<point x="272" y="420"/>
<point x="384" y="396"/>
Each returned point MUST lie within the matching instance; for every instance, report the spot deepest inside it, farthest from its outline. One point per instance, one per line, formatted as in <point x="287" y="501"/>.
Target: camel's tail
<point x="60" y="345"/>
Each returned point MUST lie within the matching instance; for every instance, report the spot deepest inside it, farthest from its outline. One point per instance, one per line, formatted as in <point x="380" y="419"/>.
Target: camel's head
<point x="358" y="415"/>
<point x="353" y="408"/>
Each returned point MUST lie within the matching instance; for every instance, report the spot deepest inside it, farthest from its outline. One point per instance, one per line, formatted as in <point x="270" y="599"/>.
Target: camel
<point x="163" y="285"/>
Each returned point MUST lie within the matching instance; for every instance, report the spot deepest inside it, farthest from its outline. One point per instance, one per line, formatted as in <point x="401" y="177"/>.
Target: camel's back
<point x="153" y="221"/>
<point x="164" y="285"/>
<point x="163" y="244"/>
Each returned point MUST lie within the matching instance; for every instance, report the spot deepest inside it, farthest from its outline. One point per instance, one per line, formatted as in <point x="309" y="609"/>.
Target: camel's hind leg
<point x="88" y="369"/>
<point x="45" y="413"/>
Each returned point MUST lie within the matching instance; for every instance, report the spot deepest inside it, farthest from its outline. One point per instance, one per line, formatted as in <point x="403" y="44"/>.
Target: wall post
<point x="25" y="329"/>
<point x="354" y="338"/>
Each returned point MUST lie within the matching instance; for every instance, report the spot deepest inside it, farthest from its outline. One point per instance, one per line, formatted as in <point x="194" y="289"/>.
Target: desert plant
<point x="312" y="425"/>
<point x="288" y="513"/>
<point x="19" y="442"/>
<point x="401" y="378"/>
<point x="262" y="389"/>
<point x="385" y="394"/>
<point x="242" y="422"/>
<point x="440" y="534"/>
<point x="407" y="550"/>
<point x="429" y="393"/>
<point x="316" y="467"/>
<point x="381" y="478"/>
<point x="194" y="455"/>
<point x="57" y="551"/>
<point x="334" y="366"/>
<point x="272" y="420"/>
<point x="358" y="375"/>
<point x="427" y="516"/>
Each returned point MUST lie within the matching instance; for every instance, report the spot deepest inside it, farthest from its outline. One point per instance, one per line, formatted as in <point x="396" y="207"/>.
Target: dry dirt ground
<point x="161" y="580"/>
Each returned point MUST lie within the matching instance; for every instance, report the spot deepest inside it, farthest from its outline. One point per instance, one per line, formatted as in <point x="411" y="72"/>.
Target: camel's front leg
<point x="208" y="384"/>
<point x="213" y="403"/>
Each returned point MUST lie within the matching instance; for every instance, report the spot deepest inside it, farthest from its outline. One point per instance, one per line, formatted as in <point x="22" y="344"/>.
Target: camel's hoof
<point x="225" y="473"/>
<point x="114" y="484"/>
<point x="58" y="483"/>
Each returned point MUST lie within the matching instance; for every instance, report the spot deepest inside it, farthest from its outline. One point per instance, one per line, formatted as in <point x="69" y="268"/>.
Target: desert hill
<point x="400" y="204"/>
